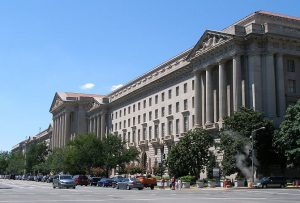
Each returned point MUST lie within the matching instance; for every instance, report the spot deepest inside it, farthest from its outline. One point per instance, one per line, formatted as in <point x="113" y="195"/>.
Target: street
<point x="14" y="191"/>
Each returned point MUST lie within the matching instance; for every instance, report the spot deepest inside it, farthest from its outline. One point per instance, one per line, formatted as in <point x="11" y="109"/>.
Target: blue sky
<point x="59" y="45"/>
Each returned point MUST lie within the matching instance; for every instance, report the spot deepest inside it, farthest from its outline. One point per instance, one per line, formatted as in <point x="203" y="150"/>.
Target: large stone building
<point x="254" y="62"/>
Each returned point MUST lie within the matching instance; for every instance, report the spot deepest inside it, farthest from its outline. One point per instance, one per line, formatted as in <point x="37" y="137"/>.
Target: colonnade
<point x="97" y="125"/>
<point x="61" y="129"/>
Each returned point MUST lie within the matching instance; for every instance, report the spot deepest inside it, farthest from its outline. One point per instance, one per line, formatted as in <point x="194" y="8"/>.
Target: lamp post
<point x="252" y="149"/>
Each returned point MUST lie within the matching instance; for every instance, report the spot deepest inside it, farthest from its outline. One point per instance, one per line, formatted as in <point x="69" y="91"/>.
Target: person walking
<point x="172" y="184"/>
<point x="179" y="184"/>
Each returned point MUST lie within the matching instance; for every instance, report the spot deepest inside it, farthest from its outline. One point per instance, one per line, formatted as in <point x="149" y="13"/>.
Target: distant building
<point x="254" y="62"/>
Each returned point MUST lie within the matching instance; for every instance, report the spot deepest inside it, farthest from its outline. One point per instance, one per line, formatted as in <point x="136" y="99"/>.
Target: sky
<point x="94" y="46"/>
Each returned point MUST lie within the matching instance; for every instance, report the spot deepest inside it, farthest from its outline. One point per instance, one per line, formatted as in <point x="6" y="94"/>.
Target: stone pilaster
<point x="236" y="82"/>
<point x="222" y="91"/>
<point x="209" y="96"/>
<point x="270" y="86"/>
<point x="198" y="110"/>
<point x="281" y="102"/>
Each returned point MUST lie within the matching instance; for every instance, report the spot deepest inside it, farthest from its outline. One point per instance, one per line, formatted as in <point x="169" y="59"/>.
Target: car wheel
<point x="54" y="187"/>
<point x="127" y="187"/>
<point x="282" y="186"/>
<point x="74" y="187"/>
<point x="140" y="188"/>
<point x="152" y="187"/>
<point x="264" y="186"/>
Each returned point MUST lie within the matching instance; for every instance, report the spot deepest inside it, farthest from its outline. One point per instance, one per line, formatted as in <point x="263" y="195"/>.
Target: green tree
<point x="190" y="154"/>
<point x="4" y="159"/>
<point x="287" y="138"/>
<point x="16" y="163"/>
<point x="35" y="155"/>
<point x="115" y="153"/>
<point x="236" y="136"/>
<point x="211" y="164"/>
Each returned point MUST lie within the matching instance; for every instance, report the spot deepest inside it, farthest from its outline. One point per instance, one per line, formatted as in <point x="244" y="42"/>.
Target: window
<point x="133" y="122"/>
<point x="185" y="88"/>
<point x="144" y="133"/>
<point x="156" y="131"/>
<point x="120" y="113"/>
<point x="170" y="109"/>
<point x="155" y="151"/>
<point x="156" y="99"/>
<point x="120" y="125"/>
<point x="139" y="135"/>
<point x="116" y="126"/>
<point x="292" y="86"/>
<point x="139" y="106"/>
<point x="144" y="104"/>
<point x="112" y="127"/>
<point x="124" y="137"/>
<point x="185" y="124"/>
<point x="128" y="137"/>
<point x="116" y="115"/>
<point x="150" y="132"/>
<point x="150" y="101"/>
<point x="170" y="127"/>
<point x="124" y="112"/>
<point x="144" y="117"/>
<point x="128" y="122"/>
<point x="112" y="116"/>
<point x="156" y="113"/>
<point x="162" y="129"/>
<point x="150" y="115"/>
<point x="170" y="94"/>
<point x="139" y="119"/>
<point x="193" y="120"/>
<point x="193" y="84"/>
<point x="185" y="104"/>
<point x="177" y="107"/>
<point x="290" y="65"/>
<point x="128" y="109"/>
<point x="133" y="108"/>
<point x="133" y="136"/>
<point x="193" y="102"/>
<point x="177" y="90"/>
<point x="162" y="111"/>
<point x="162" y="96"/>
<point x="177" y="126"/>
<point x="124" y="124"/>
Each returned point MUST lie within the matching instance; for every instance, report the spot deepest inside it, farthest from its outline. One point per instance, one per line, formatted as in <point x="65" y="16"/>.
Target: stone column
<point x="236" y="82"/>
<point x="281" y="103"/>
<point x="90" y="125"/>
<point x="53" y="133"/>
<point x="203" y="99"/>
<point x="103" y="133"/>
<point x="222" y="91"/>
<point x="63" y="126"/>
<point x="255" y="84"/>
<point x="209" y="96"/>
<point x="67" y="127"/>
<point x="198" y="112"/>
<point x="98" y="126"/>
<point x="270" y="86"/>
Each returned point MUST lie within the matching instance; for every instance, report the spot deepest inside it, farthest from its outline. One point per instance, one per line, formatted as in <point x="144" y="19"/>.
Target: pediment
<point x="57" y="101"/>
<point x="209" y="40"/>
<point x="94" y="105"/>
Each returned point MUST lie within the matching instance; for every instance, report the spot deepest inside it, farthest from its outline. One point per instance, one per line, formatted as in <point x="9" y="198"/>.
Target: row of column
<point x="97" y="125"/>
<point x="61" y="126"/>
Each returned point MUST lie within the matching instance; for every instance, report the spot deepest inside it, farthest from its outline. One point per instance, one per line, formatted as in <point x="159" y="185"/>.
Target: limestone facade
<point x="255" y="63"/>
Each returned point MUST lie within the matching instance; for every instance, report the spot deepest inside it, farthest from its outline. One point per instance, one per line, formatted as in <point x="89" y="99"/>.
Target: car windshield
<point x="65" y="177"/>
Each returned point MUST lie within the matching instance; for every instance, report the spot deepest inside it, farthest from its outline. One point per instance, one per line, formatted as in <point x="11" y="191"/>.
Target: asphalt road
<point x="15" y="191"/>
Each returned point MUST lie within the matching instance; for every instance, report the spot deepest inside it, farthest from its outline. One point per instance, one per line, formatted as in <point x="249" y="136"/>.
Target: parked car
<point x="63" y="181"/>
<point x="50" y="179"/>
<point x="105" y="182"/>
<point x="81" y="180"/>
<point x="116" y="180"/>
<point x="148" y="181"/>
<point x="38" y="178"/>
<point x="94" y="180"/>
<point x="273" y="181"/>
<point x="130" y="183"/>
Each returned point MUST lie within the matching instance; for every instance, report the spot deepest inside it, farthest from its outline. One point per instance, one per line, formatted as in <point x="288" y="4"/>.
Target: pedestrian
<point x="179" y="184"/>
<point x="163" y="183"/>
<point x="172" y="184"/>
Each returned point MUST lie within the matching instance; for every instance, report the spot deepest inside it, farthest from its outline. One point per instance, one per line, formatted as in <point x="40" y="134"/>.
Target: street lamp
<point x="253" y="133"/>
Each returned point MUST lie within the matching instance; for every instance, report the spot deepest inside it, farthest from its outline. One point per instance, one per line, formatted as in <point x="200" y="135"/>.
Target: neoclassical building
<point x="254" y="62"/>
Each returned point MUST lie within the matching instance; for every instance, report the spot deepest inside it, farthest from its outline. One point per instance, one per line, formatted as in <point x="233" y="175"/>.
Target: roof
<point x="278" y="15"/>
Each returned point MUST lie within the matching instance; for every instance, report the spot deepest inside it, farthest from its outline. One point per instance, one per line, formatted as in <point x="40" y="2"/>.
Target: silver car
<point x="63" y="181"/>
<point x="130" y="183"/>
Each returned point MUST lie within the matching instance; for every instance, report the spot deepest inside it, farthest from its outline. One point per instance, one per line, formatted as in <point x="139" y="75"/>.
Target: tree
<point x="190" y="155"/>
<point x="287" y="138"/>
<point x="235" y="140"/>
<point x="211" y="164"/>
<point x="16" y="163"/>
<point x="115" y="153"/>
<point x="4" y="159"/>
<point x="35" y="155"/>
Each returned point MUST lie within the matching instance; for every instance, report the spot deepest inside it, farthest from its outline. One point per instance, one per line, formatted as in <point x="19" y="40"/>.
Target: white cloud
<point x="114" y="87"/>
<point x="87" y="86"/>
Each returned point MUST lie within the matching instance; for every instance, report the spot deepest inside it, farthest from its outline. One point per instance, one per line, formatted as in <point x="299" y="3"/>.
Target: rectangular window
<point x="150" y="132"/>
<point x="124" y="137"/>
<point x="144" y="133"/>
<point x="193" y="85"/>
<point x="150" y="101"/>
<point x="170" y="127"/>
<point x="155" y="151"/>
<point x="144" y="104"/>
<point x="193" y="120"/>
<point x="112" y="116"/>
<point x="162" y="111"/>
<point x="177" y="127"/>
<point x="170" y="94"/>
<point x="162" y="96"/>
<point x="150" y="115"/>
<point x="133" y="136"/>
<point x="156" y="131"/>
<point x="144" y="117"/>
<point x="170" y="109"/>
<point x="139" y="119"/>
<point x="163" y="130"/>
<point x="292" y="86"/>
<point x="133" y="108"/>
<point x="139" y="135"/>
<point x="128" y="137"/>
<point x="177" y="90"/>
<point x="177" y="107"/>
<point x="185" y="88"/>
<point x="291" y="65"/>
<point x="193" y="102"/>
<point x="116" y="115"/>
<point x="185" y="104"/>
<point x="120" y="125"/>
<point x="128" y="109"/>
<point x="128" y="122"/>
<point x="133" y="121"/>
<point x="124" y="112"/>
<point x="185" y="124"/>
<point x="124" y="123"/>
<point x="139" y="106"/>
<point x="156" y="99"/>
<point x="120" y="113"/>
<point x="116" y="126"/>
<point x="156" y="113"/>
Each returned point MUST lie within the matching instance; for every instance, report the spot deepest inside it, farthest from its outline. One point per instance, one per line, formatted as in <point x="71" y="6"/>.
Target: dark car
<point x="116" y="180"/>
<point x="273" y="181"/>
<point x="81" y="180"/>
<point x="94" y="180"/>
<point x="50" y="179"/>
<point x="105" y="182"/>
